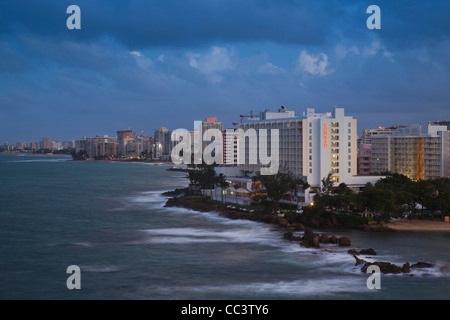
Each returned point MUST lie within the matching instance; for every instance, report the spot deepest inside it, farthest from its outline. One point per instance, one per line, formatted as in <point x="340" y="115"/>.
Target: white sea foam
<point x="298" y="288"/>
<point x="43" y="160"/>
<point x="83" y="244"/>
<point x="186" y="235"/>
<point x="99" y="268"/>
<point x="152" y="198"/>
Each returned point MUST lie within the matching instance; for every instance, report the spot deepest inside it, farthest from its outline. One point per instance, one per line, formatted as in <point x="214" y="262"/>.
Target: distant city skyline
<point x="233" y="125"/>
<point x="149" y="64"/>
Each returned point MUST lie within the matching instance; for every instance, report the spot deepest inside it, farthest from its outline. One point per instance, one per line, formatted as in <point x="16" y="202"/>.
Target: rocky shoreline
<point x="184" y="198"/>
<point x="309" y="239"/>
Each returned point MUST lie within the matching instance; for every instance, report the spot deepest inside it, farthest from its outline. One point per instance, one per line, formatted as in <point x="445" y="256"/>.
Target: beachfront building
<point x="161" y="143"/>
<point x="144" y="144"/>
<point x="290" y="130"/>
<point x="443" y="123"/>
<point x="230" y="147"/>
<point x="46" y="143"/>
<point x="364" y="159"/>
<point x="331" y="147"/>
<point x="240" y="188"/>
<point x="310" y="146"/>
<point x="418" y="152"/>
<point x="368" y="133"/>
<point x="101" y="147"/>
<point x="126" y="143"/>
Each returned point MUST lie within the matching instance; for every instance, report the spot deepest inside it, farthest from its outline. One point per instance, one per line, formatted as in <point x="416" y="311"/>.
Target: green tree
<point x="344" y="197"/>
<point x="203" y="176"/>
<point x="278" y="186"/>
<point x="221" y="182"/>
<point x="327" y="184"/>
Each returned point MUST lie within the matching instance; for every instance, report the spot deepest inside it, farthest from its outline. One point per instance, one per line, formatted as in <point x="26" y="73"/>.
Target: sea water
<point x="109" y="219"/>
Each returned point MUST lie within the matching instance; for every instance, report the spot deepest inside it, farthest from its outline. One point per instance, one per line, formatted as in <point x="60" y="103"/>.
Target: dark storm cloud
<point x="148" y="64"/>
<point x="189" y="23"/>
<point x="142" y="23"/>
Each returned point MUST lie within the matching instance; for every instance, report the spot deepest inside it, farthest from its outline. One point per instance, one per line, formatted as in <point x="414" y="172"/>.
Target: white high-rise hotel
<point x="331" y="145"/>
<point x="311" y="146"/>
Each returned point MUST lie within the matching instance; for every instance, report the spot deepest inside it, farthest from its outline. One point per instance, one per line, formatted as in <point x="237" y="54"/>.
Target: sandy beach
<point x="420" y="225"/>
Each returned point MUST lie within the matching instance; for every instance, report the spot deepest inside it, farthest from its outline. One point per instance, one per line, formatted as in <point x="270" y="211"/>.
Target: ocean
<point x="109" y="219"/>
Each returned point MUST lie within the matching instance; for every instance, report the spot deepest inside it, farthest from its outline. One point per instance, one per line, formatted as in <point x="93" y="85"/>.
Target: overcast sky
<point x="147" y="64"/>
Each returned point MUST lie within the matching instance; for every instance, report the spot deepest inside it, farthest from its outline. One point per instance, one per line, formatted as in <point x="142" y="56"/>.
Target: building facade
<point x="126" y="143"/>
<point x="290" y="140"/>
<point x="368" y="133"/>
<point x="230" y="147"/>
<point x="101" y="147"/>
<point x="46" y="143"/>
<point x="310" y="146"/>
<point x="144" y="144"/>
<point x="364" y="159"/>
<point x="418" y="152"/>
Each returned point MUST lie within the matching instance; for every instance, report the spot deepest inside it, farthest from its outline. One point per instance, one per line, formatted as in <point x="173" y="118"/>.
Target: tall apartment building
<point x="368" y="133"/>
<point x="419" y="152"/>
<point x="35" y="146"/>
<point x="310" y="146"/>
<point x="210" y="123"/>
<point x="364" y="159"/>
<point x="100" y="147"/>
<point x="46" y="143"/>
<point x="290" y="130"/>
<point x="230" y="147"/>
<point x="160" y="145"/>
<point x="80" y="145"/>
<point x="332" y="147"/>
<point x="144" y="144"/>
<point x="126" y="143"/>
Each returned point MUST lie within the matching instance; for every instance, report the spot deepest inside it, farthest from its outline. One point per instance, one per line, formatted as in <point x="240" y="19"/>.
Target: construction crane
<point x="245" y="116"/>
<point x="242" y="118"/>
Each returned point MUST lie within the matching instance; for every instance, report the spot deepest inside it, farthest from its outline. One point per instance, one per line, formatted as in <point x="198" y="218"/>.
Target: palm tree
<point x="327" y="184"/>
<point x="278" y="186"/>
<point x="221" y="182"/>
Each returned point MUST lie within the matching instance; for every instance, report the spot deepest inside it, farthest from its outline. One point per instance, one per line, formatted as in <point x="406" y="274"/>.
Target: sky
<point x="145" y="64"/>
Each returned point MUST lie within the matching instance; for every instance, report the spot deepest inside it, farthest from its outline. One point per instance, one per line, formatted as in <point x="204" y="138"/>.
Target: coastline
<point x="182" y="198"/>
<point x="310" y="239"/>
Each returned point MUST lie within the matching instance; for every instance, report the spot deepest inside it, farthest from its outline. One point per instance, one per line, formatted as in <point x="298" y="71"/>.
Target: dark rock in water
<point x="177" y="193"/>
<point x="324" y="238"/>
<point x="297" y="226"/>
<point x="308" y="231"/>
<point x="369" y="251"/>
<point x="385" y="267"/>
<point x="353" y="252"/>
<point x="422" y="265"/>
<point x="310" y="239"/>
<point x="444" y="269"/>
<point x="333" y="239"/>
<point x="316" y="241"/>
<point x="345" y="241"/>
<point x="359" y="261"/>
<point x="288" y="235"/>
<point x="280" y="221"/>
<point x="406" y="268"/>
